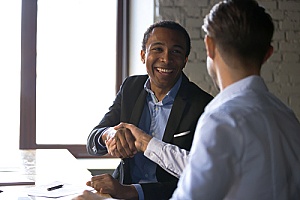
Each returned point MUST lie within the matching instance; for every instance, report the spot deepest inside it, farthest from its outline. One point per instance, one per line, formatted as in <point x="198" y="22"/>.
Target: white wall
<point x="141" y="17"/>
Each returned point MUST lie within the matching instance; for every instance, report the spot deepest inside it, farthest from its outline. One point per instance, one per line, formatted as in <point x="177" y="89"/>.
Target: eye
<point x="177" y="51"/>
<point x="157" y="49"/>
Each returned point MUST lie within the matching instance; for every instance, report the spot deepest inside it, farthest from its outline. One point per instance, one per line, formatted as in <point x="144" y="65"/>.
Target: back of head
<point x="170" y="25"/>
<point x="240" y="28"/>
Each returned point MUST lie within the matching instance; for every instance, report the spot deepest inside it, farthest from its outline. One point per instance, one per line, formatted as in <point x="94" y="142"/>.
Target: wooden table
<point x="41" y="166"/>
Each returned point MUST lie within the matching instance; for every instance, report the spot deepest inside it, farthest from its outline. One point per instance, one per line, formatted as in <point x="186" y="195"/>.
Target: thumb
<point x="89" y="183"/>
<point x="121" y="125"/>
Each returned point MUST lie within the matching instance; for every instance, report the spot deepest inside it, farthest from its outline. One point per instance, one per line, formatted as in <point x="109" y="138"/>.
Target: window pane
<point x="76" y="69"/>
<point x="10" y="66"/>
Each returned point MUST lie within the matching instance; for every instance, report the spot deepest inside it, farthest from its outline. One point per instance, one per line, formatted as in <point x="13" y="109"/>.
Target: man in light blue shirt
<point x="247" y="142"/>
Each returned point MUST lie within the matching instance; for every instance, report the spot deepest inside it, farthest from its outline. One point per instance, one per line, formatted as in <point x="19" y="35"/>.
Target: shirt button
<point x="146" y="175"/>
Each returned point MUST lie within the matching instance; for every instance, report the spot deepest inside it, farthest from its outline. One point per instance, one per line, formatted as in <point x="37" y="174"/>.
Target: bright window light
<point x="76" y="68"/>
<point x="10" y="69"/>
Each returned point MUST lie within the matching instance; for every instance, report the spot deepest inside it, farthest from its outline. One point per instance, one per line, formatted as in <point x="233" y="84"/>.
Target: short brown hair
<point x="241" y="28"/>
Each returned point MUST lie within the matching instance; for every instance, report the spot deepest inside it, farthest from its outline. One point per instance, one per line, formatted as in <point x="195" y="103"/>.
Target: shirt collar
<point x="170" y="96"/>
<point x="254" y="82"/>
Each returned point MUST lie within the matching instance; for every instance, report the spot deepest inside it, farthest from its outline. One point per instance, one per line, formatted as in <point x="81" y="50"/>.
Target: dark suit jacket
<point x="188" y="105"/>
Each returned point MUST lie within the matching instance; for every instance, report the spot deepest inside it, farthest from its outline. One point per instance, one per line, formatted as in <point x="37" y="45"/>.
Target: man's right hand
<point x="141" y="139"/>
<point x="122" y="144"/>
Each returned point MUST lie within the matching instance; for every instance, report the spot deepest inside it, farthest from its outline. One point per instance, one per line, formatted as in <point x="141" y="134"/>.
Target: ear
<point x="185" y="61"/>
<point x="268" y="54"/>
<point x="142" y="56"/>
<point x="210" y="46"/>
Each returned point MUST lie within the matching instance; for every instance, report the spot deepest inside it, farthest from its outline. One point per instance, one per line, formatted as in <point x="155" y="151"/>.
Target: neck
<point x="228" y="75"/>
<point x="160" y="93"/>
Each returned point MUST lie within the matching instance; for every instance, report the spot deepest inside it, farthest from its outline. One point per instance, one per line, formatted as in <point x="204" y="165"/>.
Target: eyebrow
<point x="160" y="43"/>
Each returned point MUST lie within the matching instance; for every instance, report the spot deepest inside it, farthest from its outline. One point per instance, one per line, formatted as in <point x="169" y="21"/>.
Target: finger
<point x="88" y="194"/>
<point x="119" y="126"/>
<point x="109" y="142"/>
<point x="111" y="145"/>
<point x="133" y="129"/>
<point x="112" y="148"/>
<point x="98" y="177"/>
<point x="131" y="142"/>
<point x="115" y="153"/>
<point x="122" y="146"/>
<point x="97" y="185"/>
<point x="89" y="183"/>
<point x="100" y="185"/>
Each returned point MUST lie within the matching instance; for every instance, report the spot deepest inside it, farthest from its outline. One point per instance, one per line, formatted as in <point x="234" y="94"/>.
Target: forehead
<point x="166" y="36"/>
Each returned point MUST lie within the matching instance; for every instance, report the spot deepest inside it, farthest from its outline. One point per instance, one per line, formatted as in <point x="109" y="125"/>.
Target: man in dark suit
<point x="163" y="103"/>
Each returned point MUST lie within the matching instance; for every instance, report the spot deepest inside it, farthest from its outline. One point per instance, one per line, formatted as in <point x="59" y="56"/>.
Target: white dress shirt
<point x="246" y="146"/>
<point x="169" y="157"/>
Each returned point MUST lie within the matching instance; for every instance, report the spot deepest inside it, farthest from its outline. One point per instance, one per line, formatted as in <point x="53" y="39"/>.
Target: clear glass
<point x="10" y="66"/>
<point x="76" y="68"/>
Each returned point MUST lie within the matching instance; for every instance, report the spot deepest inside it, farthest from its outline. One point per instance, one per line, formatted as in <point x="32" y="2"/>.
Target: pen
<point x="54" y="187"/>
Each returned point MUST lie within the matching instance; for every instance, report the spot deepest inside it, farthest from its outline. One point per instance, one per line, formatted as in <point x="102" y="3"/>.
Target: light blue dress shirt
<point x="246" y="146"/>
<point x="153" y="121"/>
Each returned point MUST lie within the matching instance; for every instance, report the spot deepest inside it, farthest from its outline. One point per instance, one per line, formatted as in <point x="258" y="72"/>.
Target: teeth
<point x="164" y="70"/>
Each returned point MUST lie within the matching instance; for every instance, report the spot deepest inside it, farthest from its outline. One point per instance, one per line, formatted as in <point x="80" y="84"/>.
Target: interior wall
<point x="282" y="70"/>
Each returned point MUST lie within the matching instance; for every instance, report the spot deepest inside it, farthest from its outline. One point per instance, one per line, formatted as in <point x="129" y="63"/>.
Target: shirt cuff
<point x="154" y="145"/>
<point x="139" y="189"/>
<point x="110" y="131"/>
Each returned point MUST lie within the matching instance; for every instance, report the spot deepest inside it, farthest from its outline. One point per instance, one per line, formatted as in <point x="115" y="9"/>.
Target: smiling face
<point x="165" y="57"/>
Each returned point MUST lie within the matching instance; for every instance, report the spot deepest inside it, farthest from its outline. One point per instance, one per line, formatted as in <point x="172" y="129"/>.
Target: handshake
<point x="125" y="140"/>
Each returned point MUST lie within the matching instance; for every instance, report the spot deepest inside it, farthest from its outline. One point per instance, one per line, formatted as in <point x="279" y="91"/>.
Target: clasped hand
<point x="127" y="141"/>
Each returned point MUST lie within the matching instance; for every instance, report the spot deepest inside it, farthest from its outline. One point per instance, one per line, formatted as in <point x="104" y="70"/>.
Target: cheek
<point x="149" y="59"/>
<point x="180" y="63"/>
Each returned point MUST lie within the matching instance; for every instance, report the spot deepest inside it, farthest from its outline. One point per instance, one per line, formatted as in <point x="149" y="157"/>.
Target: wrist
<point x="103" y="139"/>
<point x="130" y="192"/>
<point x="107" y="134"/>
<point x="144" y="142"/>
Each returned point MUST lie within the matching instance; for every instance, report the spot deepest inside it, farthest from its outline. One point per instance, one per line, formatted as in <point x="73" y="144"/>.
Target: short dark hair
<point x="241" y="28"/>
<point x="170" y="25"/>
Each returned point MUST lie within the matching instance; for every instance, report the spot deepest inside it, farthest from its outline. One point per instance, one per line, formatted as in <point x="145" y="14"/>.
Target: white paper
<point x="66" y="190"/>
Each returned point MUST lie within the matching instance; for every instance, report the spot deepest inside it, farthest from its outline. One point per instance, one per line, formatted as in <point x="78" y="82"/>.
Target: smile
<point x="163" y="70"/>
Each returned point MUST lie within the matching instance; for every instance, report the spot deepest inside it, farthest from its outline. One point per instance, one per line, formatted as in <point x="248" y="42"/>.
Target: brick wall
<point x="281" y="72"/>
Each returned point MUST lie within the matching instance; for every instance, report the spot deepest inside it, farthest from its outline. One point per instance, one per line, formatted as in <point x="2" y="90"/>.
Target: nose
<point x="166" y="57"/>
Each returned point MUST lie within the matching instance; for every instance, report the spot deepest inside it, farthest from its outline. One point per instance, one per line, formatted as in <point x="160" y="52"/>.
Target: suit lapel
<point x="138" y="108"/>
<point x="177" y="110"/>
<point x="174" y="118"/>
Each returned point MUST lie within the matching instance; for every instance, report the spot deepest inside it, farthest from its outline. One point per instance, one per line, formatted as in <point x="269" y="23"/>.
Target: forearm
<point x="128" y="192"/>
<point x="170" y="157"/>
